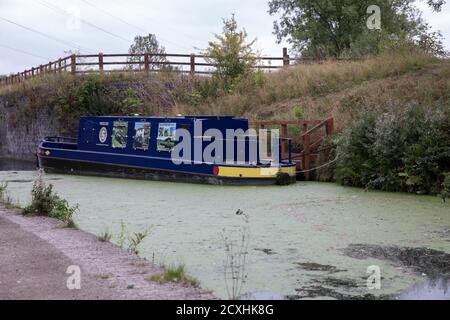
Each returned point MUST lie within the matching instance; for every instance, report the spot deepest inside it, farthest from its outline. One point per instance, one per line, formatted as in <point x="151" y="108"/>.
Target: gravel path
<point x="35" y="255"/>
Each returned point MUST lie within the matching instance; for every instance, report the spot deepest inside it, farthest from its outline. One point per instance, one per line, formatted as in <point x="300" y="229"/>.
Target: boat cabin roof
<point x="137" y="117"/>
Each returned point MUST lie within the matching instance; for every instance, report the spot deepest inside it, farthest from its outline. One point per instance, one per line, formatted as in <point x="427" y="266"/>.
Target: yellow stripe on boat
<point x="242" y="172"/>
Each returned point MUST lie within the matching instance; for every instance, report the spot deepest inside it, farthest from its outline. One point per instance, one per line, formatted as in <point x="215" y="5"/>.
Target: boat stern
<point x="285" y="174"/>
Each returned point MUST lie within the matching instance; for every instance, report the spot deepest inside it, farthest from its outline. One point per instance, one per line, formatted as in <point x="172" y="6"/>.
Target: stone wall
<point x="20" y="139"/>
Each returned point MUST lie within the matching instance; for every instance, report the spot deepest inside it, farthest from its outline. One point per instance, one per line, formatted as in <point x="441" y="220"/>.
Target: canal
<point x="305" y="241"/>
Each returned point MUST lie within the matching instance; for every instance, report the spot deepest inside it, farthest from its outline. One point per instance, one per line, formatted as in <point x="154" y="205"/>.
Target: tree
<point x="329" y="28"/>
<point x="146" y="44"/>
<point x="232" y="55"/>
<point x="436" y="5"/>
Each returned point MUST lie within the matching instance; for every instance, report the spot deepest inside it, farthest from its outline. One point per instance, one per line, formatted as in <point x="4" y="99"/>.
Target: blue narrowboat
<point x="143" y="148"/>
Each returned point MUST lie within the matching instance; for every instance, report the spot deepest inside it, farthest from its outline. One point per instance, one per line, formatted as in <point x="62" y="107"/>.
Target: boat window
<point x="141" y="139"/>
<point x="119" y="136"/>
<point x="166" y="136"/>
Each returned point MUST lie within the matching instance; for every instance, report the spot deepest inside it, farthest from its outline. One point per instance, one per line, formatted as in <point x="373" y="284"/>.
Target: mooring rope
<point x="320" y="167"/>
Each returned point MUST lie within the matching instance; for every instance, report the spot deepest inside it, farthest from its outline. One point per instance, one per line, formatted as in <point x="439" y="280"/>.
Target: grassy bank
<point x="340" y="88"/>
<point x="331" y="87"/>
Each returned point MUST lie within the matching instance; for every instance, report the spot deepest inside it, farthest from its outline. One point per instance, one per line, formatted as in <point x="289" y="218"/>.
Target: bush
<point x="45" y="202"/>
<point x="64" y="212"/>
<point x="355" y="166"/>
<point x="326" y="161"/>
<point x="405" y="151"/>
<point x="43" y="199"/>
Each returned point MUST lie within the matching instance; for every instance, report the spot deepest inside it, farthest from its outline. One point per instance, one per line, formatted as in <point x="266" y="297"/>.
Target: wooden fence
<point x="148" y="62"/>
<point x="306" y="137"/>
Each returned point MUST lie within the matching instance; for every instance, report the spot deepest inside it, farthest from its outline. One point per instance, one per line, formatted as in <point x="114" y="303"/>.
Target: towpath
<point x="35" y="256"/>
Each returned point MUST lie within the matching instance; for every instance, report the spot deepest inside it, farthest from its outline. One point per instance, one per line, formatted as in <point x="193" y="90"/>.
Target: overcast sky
<point x="181" y="26"/>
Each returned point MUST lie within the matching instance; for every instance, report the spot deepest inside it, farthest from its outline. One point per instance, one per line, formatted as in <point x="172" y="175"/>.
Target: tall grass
<point x="309" y="81"/>
<point x="5" y="197"/>
<point x="175" y="274"/>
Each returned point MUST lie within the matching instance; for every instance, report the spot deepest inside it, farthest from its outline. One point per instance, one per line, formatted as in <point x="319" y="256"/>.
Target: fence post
<point x="73" y="64"/>
<point x="330" y="126"/>
<point x="49" y="67"/>
<point x="41" y="70"/>
<point x="60" y="65"/>
<point x="32" y="72"/>
<point x="146" y="62"/>
<point x="100" y="63"/>
<point x="192" y="64"/>
<point x="286" y="58"/>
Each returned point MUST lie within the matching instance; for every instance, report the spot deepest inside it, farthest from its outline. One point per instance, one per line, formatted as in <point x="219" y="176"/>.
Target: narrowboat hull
<point x="166" y="149"/>
<point x="248" y="177"/>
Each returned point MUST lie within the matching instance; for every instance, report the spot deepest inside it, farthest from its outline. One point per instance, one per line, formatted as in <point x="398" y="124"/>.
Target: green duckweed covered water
<point x="290" y="227"/>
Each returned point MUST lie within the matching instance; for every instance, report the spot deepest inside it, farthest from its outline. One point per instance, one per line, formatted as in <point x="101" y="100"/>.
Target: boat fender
<point x="283" y="179"/>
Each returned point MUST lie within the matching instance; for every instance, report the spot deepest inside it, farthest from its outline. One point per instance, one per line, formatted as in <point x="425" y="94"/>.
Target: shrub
<point x="355" y="166"/>
<point x="45" y="202"/>
<point x="64" y="212"/>
<point x="404" y="151"/>
<point x="43" y="199"/>
<point x="326" y="161"/>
